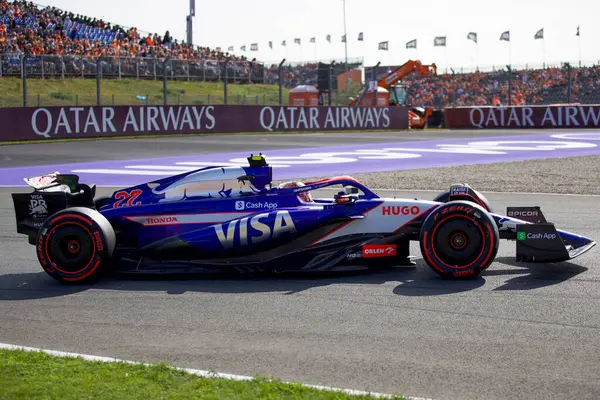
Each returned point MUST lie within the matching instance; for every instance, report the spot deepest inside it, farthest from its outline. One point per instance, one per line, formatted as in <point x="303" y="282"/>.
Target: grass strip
<point x="37" y="375"/>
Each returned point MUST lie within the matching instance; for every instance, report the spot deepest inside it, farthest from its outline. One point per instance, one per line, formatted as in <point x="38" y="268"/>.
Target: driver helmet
<point x="304" y="196"/>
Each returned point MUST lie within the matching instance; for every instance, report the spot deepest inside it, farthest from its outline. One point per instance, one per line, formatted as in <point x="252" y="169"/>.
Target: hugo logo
<point x="400" y="210"/>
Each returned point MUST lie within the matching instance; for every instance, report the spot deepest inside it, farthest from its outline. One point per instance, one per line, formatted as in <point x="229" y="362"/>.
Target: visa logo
<point x="252" y="230"/>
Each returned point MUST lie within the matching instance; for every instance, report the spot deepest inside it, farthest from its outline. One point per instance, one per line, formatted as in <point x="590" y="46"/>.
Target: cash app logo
<point x="521" y="236"/>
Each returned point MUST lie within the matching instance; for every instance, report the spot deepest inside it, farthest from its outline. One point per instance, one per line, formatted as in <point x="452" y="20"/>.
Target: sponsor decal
<point x="521" y="213"/>
<point x="571" y="116"/>
<point x="161" y="220"/>
<point x="536" y="236"/>
<point x="98" y="241"/>
<point x="74" y="121"/>
<point x="379" y="250"/>
<point x="254" y="230"/>
<point x="95" y="120"/>
<point x="255" y="205"/>
<point x="400" y="210"/>
<point x="459" y="189"/>
<point x="37" y="206"/>
<point x="352" y="256"/>
<point x="310" y="118"/>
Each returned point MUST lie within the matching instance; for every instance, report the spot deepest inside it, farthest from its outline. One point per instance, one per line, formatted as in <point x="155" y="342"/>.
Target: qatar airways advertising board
<point x="523" y="117"/>
<point x="74" y="122"/>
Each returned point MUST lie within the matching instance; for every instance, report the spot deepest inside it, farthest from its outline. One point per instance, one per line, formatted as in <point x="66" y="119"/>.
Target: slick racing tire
<point x="459" y="239"/>
<point x="74" y="244"/>
<point x="444" y="197"/>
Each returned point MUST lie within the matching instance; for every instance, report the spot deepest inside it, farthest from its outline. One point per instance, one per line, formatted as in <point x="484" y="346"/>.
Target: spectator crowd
<point x="71" y="44"/>
<point x="537" y="86"/>
<point x="26" y="29"/>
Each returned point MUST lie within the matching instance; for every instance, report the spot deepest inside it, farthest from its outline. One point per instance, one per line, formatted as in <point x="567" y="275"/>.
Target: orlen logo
<point x="400" y="210"/>
<point x="379" y="250"/>
<point x="161" y="220"/>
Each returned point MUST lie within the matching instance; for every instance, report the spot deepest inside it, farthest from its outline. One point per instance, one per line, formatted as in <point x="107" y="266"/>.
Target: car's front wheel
<point x="459" y="239"/>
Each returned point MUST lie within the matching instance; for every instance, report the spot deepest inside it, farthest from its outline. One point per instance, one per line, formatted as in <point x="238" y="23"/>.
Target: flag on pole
<point x="412" y="44"/>
<point x="360" y="37"/>
<point x="230" y="48"/>
<point x="328" y="38"/>
<point x="313" y="40"/>
<point x="505" y="36"/>
<point x="577" y="34"/>
<point x="344" y="39"/>
<point x="440" y="41"/>
<point x="254" y="47"/>
<point x="472" y="36"/>
<point x="297" y="41"/>
<point x="383" y="46"/>
<point x="539" y="34"/>
<point x="283" y="43"/>
<point x="270" y="44"/>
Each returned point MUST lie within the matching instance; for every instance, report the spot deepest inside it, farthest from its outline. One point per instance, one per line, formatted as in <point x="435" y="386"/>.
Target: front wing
<point x="538" y="240"/>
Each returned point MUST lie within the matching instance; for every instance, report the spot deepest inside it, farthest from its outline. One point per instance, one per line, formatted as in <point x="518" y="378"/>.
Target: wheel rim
<point x="71" y="249"/>
<point x="458" y="242"/>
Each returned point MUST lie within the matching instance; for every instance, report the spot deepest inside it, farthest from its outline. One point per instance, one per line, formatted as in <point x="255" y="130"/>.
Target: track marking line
<point x="197" y="372"/>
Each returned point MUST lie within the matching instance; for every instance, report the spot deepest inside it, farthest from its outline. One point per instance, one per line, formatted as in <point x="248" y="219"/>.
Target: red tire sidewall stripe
<point x="428" y="247"/>
<point x="476" y="223"/>
<point x="93" y="257"/>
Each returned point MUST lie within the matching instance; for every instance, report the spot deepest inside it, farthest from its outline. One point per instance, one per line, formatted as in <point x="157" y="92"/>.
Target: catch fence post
<point x="509" y="86"/>
<point x="98" y="72"/>
<point x="330" y="89"/>
<point x="570" y="83"/>
<point x="280" y="82"/>
<point x="225" y="99"/>
<point x="24" y="79"/>
<point x="165" y="80"/>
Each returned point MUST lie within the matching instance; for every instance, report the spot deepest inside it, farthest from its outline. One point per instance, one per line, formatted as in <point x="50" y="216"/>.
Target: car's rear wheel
<point x="459" y="239"/>
<point x="74" y="244"/>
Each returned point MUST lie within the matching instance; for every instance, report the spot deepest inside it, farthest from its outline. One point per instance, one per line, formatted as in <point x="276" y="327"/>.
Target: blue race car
<point x="233" y="219"/>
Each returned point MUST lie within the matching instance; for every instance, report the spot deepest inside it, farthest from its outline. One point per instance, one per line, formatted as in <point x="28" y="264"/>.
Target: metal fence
<point x="180" y="82"/>
<point x="73" y="66"/>
<point x="153" y="81"/>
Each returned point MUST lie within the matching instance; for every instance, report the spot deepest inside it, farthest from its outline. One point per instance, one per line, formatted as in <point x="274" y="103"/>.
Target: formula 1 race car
<point x="218" y="219"/>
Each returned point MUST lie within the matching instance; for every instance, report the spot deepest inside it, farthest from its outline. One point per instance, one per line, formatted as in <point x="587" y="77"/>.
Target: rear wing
<point x="33" y="209"/>
<point x="54" y="182"/>
<point x="51" y="193"/>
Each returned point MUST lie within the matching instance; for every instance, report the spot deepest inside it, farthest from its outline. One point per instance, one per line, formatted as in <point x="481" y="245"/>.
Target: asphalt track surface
<point x="519" y="331"/>
<point x="17" y="155"/>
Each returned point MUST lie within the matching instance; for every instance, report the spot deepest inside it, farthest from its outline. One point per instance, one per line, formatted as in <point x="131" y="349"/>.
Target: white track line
<point x="197" y="372"/>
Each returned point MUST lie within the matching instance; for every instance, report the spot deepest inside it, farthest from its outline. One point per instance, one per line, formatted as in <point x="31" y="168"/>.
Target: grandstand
<point x="51" y="43"/>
